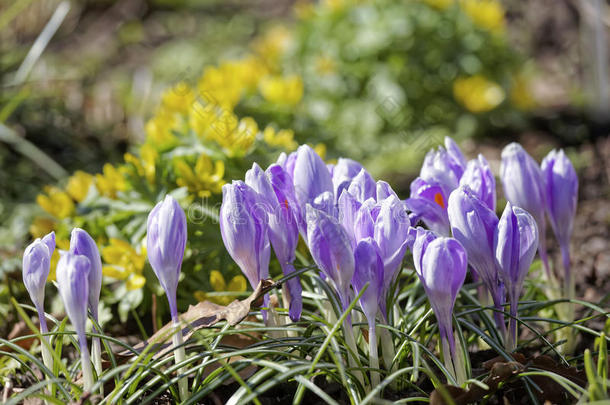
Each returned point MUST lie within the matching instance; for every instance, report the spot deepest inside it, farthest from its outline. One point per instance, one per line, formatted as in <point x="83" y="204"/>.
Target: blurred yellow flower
<point x="246" y="72"/>
<point x="520" y="94"/>
<point x="487" y="14"/>
<point x="440" y="4"/>
<point x="205" y="179"/>
<point x="272" y="44"/>
<point x="123" y="262"/>
<point x="56" y="202"/>
<point x="110" y="182"/>
<point x="219" y="87"/>
<point x="63" y="244"/>
<point x="477" y="93"/>
<point x="178" y="98"/>
<point x="159" y="129"/>
<point x="304" y="9"/>
<point x="79" y="184"/>
<point x="218" y="283"/>
<point x="283" y="138"/>
<point x="40" y="226"/>
<point x="145" y="165"/>
<point x="282" y="90"/>
<point x="320" y="149"/>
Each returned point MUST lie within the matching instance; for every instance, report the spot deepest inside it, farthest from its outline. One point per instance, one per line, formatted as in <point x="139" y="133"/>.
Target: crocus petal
<point x="384" y="190"/>
<point x="343" y="173"/>
<point x="331" y="250"/>
<point x="348" y="210"/>
<point x="364" y="227"/>
<point x="479" y="178"/>
<point x="81" y="243"/>
<point x="165" y="244"/>
<point x="368" y="268"/>
<point x="457" y="159"/>
<point x="561" y="189"/>
<point x="73" y="284"/>
<point x="363" y="186"/>
<point x="36" y="267"/>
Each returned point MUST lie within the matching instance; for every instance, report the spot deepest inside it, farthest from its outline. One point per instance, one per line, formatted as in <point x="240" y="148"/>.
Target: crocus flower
<point x="73" y="283"/>
<point x="81" y="243"/>
<point x="369" y="268"/>
<point x="480" y="179"/>
<point x="439" y="176"/>
<point x="516" y="241"/>
<point x="165" y="244"/>
<point x="311" y="178"/>
<point x="561" y="189"/>
<point x="332" y="251"/>
<point x="244" y="230"/>
<point x="348" y="208"/>
<point x="384" y="190"/>
<point x="343" y="173"/>
<point x="363" y="186"/>
<point x="524" y="187"/>
<point x="441" y="266"/>
<point x="36" y="267"/>
<point x="276" y="190"/>
<point x="473" y="224"/>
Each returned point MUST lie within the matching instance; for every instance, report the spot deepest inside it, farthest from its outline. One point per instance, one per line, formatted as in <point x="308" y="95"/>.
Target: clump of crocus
<point x="36" y="267"/>
<point x="516" y="241"/>
<point x="73" y="284"/>
<point x="561" y="188"/>
<point x="165" y="244"/>
<point x="81" y="243"/>
<point x="440" y="263"/>
<point x="439" y="176"/>
<point x="474" y="225"/>
<point x="524" y="187"/>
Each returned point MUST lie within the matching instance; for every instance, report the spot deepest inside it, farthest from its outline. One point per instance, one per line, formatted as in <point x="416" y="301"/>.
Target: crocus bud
<point x="36" y="267"/>
<point x="73" y="284"/>
<point x="343" y="173"/>
<point x="480" y="179"/>
<point x="165" y="244"/>
<point x="368" y="268"/>
<point x="524" y="187"/>
<point x="442" y="271"/>
<point x="81" y="243"/>
<point x="384" y="190"/>
<point x="561" y="187"/>
<point x="311" y="178"/>
<point x="331" y="250"/>
<point x="516" y="241"/>
<point x="363" y="186"/>
<point x="244" y="230"/>
<point x="473" y="224"/>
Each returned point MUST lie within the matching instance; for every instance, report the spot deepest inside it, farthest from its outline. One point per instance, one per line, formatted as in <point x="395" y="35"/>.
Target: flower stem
<point x="85" y="362"/>
<point x="96" y="355"/>
<point x="353" y="350"/>
<point x="179" y="357"/>
<point x="387" y="346"/>
<point x="373" y="355"/>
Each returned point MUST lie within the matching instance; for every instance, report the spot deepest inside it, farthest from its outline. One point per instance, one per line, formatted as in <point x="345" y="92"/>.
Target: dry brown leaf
<point x="203" y="315"/>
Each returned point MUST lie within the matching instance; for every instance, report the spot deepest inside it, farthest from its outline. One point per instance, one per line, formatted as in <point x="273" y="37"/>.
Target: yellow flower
<point x="79" y="184"/>
<point x="57" y="202"/>
<point x="205" y="179"/>
<point x="110" y="182"/>
<point x="320" y="149"/>
<point x="219" y="87"/>
<point x="63" y="244"/>
<point x="218" y="283"/>
<point x="246" y="72"/>
<point x="487" y="14"/>
<point x="283" y="138"/>
<point x="272" y="44"/>
<point x="123" y="262"/>
<point x="178" y="99"/>
<point x="159" y="129"/>
<point x="477" y="93"/>
<point x="145" y="165"/>
<point x="280" y="90"/>
<point x="41" y="226"/>
<point x="440" y="4"/>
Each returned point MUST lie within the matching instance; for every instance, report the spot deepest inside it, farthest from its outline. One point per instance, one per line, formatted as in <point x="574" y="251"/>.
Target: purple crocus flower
<point x="516" y="241"/>
<point x="348" y="208"/>
<point x="73" y="284"/>
<point x="332" y="251"/>
<point x="441" y="266"/>
<point x="363" y="186"/>
<point x="311" y="178"/>
<point x="561" y="188"/>
<point x="439" y="176"/>
<point x="81" y="243"/>
<point x="473" y="224"/>
<point x="275" y="188"/>
<point x="165" y="244"/>
<point x="479" y="178"/>
<point x="384" y="190"/>
<point x="524" y="187"/>
<point x="343" y="173"/>
<point x="36" y="267"/>
<point x="244" y="230"/>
